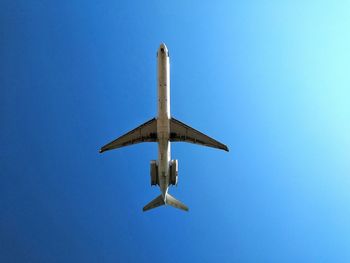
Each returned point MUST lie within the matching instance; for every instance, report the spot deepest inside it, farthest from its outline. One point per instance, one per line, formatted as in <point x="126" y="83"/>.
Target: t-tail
<point x="168" y="200"/>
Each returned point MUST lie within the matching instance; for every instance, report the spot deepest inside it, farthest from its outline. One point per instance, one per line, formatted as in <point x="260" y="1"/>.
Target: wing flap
<point x="180" y="132"/>
<point x="146" y="132"/>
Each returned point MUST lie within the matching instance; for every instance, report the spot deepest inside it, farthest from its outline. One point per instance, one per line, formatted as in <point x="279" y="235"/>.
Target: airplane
<point x="163" y="129"/>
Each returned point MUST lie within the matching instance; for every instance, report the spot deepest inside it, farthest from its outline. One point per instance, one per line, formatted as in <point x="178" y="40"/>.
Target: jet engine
<point x="173" y="172"/>
<point x="154" y="173"/>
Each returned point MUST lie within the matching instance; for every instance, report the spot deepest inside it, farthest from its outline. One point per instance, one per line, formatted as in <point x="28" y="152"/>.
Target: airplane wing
<point x="180" y="132"/>
<point x="146" y="132"/>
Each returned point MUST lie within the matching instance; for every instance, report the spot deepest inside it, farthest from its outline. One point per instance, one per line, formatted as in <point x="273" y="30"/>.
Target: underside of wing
<point x="180" y="132"/>
<point x="146" y="132"/>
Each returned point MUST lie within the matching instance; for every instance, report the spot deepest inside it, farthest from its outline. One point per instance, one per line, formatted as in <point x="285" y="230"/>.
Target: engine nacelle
<point x="173" y="172"/>
<point x="154" y="173"/>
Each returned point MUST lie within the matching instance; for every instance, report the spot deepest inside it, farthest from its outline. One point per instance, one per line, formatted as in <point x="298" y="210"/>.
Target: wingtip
<point x="225" y="148"/>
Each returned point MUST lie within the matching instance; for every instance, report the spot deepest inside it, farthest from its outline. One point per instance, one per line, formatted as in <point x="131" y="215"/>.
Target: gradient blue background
<point x="268" y="78"/>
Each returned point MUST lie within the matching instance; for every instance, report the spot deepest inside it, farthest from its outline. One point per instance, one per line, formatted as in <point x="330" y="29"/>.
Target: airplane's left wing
<point x="180" y="132"/>
<point x="146" y="132"/>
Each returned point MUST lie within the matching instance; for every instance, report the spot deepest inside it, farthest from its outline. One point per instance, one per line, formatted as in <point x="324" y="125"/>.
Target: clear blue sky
<point x="268" y="78"/>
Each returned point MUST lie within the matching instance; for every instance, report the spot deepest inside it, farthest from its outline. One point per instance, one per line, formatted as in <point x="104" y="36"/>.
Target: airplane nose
<point x="163" y="48"/>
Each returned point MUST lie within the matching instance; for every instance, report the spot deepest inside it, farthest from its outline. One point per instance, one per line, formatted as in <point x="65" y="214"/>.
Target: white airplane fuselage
<point x="163" y="118"/>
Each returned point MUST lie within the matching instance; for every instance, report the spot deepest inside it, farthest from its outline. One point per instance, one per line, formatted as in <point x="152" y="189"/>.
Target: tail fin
<point x="169" y="200"/>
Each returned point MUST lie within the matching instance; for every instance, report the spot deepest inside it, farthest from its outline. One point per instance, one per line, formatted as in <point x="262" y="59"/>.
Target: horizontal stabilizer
<point x="170" y="200"/>
<point x="158" y="201"/>
<point x="180" y="132"/>
<point x="146" y="132"/>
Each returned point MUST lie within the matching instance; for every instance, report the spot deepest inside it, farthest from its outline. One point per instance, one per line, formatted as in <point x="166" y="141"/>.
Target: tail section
<point x="169" y="200"/>
<point x="158" y="201"/>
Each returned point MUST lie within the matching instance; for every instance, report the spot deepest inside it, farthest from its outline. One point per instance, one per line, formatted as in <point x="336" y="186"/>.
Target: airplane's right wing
<point x="146" y="132"/>
<point x="180" y="132"/>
